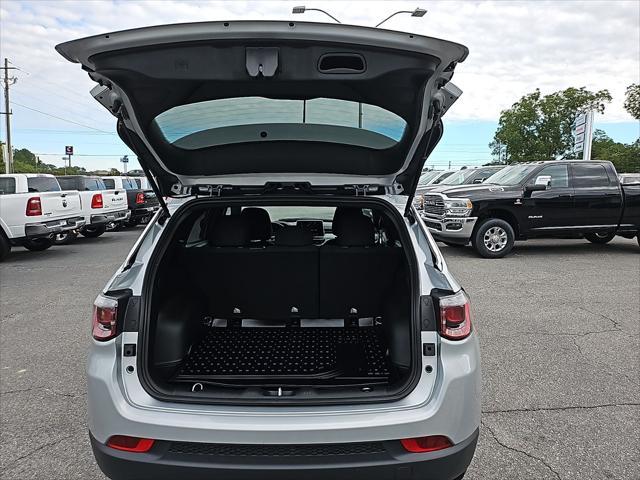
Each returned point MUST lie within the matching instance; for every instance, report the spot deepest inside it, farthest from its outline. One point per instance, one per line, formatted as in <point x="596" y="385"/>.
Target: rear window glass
<point x="94" y="184"/>
<point x="129" y="184"/>
<point x="109" y="183"/>
<point x="257" y="119"/>
<point x="43" y="184"/>
<point x="7" y="185"/>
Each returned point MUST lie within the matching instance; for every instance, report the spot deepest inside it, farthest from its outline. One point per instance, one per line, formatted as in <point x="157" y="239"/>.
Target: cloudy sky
<point x="515" y="47"/>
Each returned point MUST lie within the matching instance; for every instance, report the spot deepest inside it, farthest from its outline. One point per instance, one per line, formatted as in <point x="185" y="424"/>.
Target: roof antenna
<point x="418" y="12"/>
<point x="302" y="9"/>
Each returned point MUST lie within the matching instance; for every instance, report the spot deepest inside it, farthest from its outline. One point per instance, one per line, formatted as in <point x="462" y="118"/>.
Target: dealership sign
<point x="582" y="134"/>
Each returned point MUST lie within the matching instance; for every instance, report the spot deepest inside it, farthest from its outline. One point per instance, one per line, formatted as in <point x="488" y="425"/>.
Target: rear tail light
<point x="130" y="444"/>
<point x="455" y="316"/>
<point x="96" y="201"/>
<point x="140" y="198"/>
<point x="34" y="207"/>
<point x="426" y="444"/>
<point x="105" y="316"/>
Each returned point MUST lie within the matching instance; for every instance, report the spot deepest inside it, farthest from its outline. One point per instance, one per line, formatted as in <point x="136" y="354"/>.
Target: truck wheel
<point x="64" y="238"/>
<point x="493" y="238"/>
<point x="37" y="244"/>
<point x="5" y="247"/>
<point x="599" y="238"/>
<point x="93" y="232"/>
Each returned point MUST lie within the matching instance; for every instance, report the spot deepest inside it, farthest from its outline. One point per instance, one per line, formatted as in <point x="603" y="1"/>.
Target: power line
<point x="59" y="118"/>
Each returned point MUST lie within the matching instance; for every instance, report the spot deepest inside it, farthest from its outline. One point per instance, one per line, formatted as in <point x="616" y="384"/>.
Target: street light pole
<point x="8" y="164"/>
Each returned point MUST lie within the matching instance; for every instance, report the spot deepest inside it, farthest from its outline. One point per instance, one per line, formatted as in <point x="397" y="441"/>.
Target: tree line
<point x="539" y="127"/>
<point x="25" y="161"/>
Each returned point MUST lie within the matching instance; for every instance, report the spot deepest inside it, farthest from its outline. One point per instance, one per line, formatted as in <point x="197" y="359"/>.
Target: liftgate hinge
<point x="361" y="190"/>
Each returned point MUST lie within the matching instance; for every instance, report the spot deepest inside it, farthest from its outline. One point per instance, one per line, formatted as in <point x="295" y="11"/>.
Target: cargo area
<point x="257" y="302"/>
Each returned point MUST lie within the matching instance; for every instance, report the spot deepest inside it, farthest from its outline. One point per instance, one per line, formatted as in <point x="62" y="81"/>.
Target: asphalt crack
<point x="523" y="452"/>
<point x="562" y="409"/>
<point x="13" y="463"/>
<point x="46" y="390"/>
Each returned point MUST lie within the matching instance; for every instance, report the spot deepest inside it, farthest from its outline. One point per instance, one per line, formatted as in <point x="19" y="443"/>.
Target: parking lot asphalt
<point x="559" y="331"/>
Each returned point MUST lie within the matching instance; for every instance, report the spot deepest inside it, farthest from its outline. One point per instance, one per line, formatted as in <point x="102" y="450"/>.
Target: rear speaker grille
<point x="309" y="450"/>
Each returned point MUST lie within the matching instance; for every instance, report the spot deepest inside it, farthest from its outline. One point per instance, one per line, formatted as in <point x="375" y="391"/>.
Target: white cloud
<point x="515" y="47"/>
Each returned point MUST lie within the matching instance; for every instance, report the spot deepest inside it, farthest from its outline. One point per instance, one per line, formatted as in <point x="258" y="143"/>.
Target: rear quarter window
<point x="43" y="184"/>
<point x="7" y="186"/>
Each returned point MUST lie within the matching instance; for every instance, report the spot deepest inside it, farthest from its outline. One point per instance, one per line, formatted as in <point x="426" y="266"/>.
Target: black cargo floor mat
<point x="290" y="354"/>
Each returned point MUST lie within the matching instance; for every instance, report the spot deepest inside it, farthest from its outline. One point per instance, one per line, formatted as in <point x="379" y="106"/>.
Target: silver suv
<point x="286" y="313"/>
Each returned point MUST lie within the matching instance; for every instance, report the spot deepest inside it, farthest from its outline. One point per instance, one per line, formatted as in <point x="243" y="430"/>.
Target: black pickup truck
<point x="542" y="199"/>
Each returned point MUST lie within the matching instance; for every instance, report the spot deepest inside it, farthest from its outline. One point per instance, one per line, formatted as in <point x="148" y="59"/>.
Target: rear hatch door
<point x="248" y="103"/>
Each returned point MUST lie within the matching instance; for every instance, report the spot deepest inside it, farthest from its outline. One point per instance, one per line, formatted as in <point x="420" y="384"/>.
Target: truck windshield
<point x="426" y="177"/>
<point x="457" y="178"/>
<point x="513" y="175"/>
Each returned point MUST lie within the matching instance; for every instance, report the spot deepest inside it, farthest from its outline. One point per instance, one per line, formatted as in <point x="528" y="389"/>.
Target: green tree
<point x="632" y="100"/>
<point x="538" y="127"/>
<point x="625" y="157"/>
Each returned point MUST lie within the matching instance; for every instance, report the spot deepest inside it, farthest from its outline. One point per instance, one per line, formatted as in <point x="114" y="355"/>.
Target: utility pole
<point x="7" y="112"/>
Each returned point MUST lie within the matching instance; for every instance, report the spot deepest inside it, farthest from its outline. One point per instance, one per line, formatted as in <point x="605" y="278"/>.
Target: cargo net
<point x="292" y="355"/>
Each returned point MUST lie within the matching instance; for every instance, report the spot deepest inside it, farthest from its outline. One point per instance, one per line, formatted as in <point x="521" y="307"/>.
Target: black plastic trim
<point x="365" y="397"/>
<point x="393" y="463"/>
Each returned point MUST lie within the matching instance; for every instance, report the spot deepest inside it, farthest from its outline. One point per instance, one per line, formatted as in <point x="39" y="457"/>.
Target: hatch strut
<point x="437" y="111"/>
<point x="145" y="169"/>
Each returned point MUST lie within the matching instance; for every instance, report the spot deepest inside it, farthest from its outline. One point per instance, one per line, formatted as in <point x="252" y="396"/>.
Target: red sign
<point x="68" y="150"/>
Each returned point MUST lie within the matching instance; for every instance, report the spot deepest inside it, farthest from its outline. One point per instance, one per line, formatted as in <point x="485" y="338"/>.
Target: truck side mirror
<point x="534" y="187"/>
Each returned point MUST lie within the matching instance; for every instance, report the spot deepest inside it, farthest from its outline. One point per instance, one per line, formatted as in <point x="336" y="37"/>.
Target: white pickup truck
<point x="101" y="207"/>
<point x="33" y="208"/>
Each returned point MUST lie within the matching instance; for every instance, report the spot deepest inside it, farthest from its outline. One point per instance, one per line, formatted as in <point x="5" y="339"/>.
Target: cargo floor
<point x="293" y="355"/>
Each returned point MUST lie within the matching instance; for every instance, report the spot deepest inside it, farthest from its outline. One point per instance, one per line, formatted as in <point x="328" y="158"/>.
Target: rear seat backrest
<point x="356" y="276"/>
<point x="284" y="281"/>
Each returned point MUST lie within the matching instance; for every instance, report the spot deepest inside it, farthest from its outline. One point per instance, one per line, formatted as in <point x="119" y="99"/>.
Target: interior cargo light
<point x="130" y="444"/>
<point x="426" y="444"/>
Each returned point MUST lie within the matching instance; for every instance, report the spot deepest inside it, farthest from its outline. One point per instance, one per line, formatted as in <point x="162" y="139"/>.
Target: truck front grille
<point x="434" y="205"/>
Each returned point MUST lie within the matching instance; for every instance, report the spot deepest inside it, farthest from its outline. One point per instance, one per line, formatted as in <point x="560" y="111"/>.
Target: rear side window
<point x="43" y="184"/>
<point x="589" y="175"/>
<point x="109" y="183"/>
<point x="7" y="186"/>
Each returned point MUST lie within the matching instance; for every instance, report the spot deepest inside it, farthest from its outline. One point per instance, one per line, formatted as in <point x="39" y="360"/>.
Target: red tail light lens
<point x="455" y="316"/>
<point x="426" y="444"/>
<point x="105" y="316"/>
<point x="140" y="198"/>
<point x="130" y="444"/>
<point x="96" y="201"/>
<point x="34" y="207"/>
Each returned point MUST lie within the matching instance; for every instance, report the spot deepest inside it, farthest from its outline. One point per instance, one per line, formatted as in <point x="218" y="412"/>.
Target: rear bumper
<point x="117" y="216"/>
<point x="142" y="212"/>
<point x="454" y="229"/>
<point x="384" y="461"/>
<point x="45" y="229"/>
